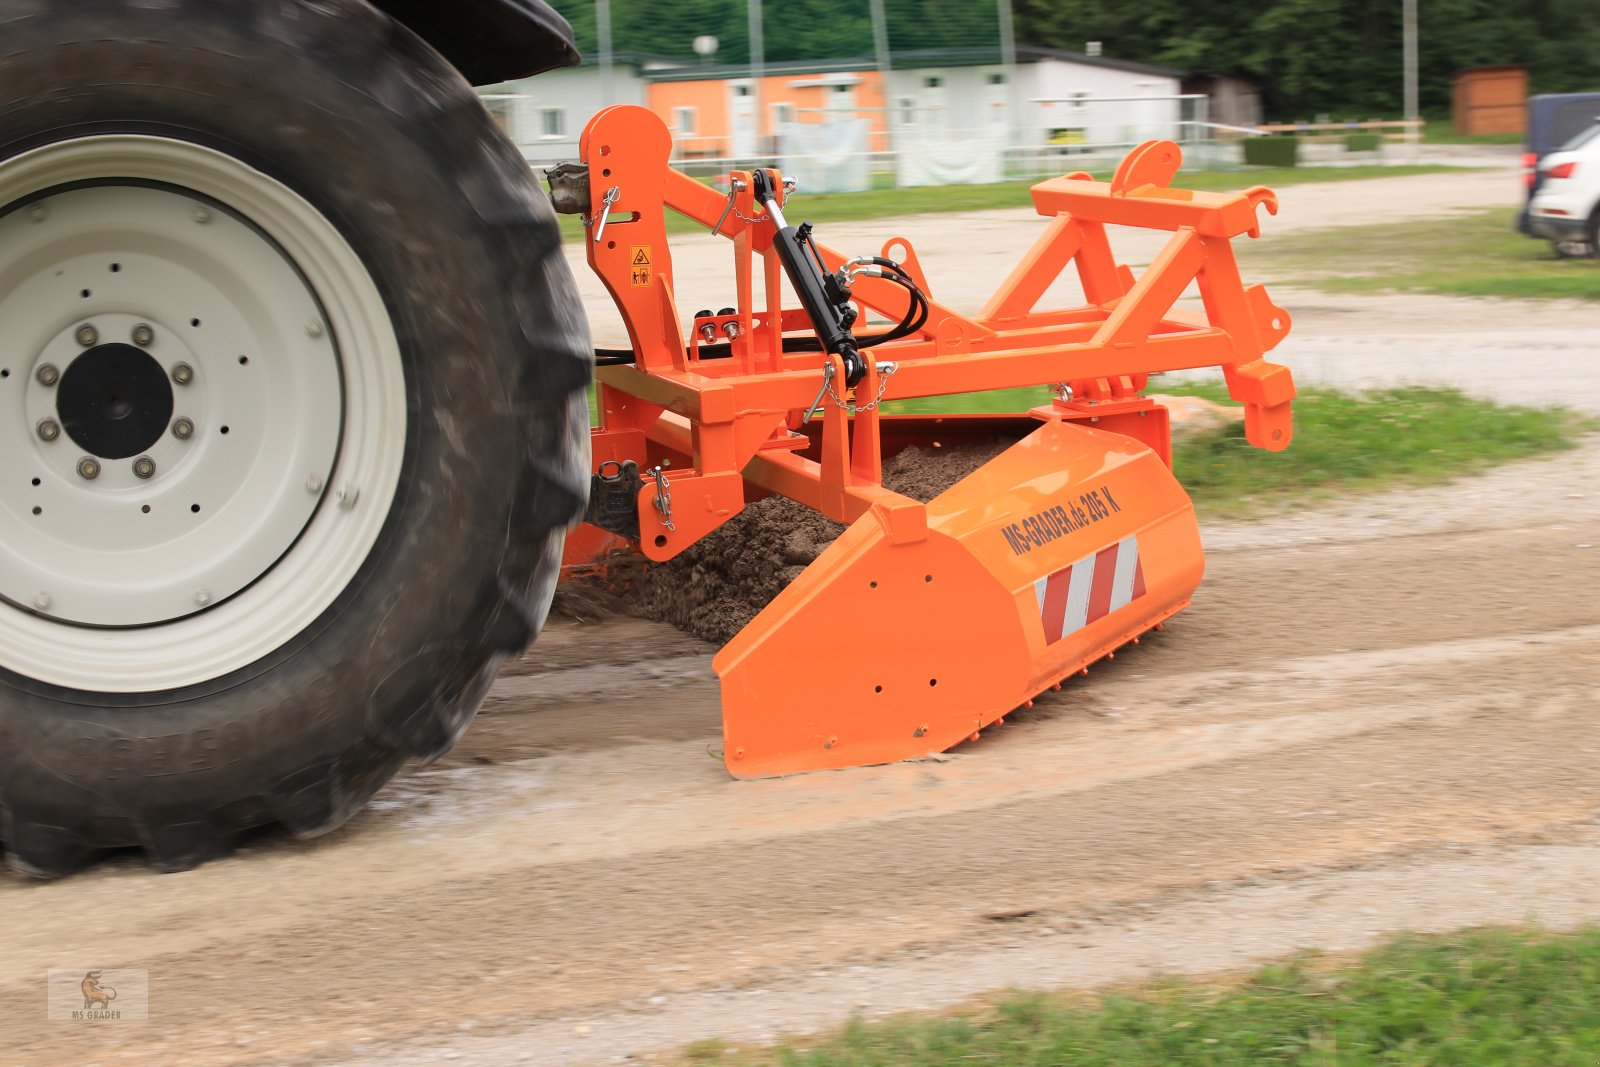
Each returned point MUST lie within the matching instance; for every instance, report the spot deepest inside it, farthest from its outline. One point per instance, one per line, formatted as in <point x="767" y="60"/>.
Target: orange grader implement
<point x="345" y="439"/>
<point x="924" y="622"/>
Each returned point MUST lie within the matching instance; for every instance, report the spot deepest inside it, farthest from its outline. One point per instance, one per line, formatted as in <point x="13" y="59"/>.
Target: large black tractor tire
<point x="274" y="695"/>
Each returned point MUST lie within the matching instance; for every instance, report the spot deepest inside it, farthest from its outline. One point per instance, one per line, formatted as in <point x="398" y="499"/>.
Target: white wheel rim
<point x="202" y="553"/>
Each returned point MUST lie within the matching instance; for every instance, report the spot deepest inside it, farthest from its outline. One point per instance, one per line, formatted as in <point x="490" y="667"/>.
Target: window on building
<point x="741" y="90"/>
<point x="997" y="79"/>
<point x="1079" y="100"/>
<point x="553" y="122"/>
<point x="932" y="83"/>
<point x="906" y="108"/>
<point x="683" y="120"/>
<point x="782" y="112"/>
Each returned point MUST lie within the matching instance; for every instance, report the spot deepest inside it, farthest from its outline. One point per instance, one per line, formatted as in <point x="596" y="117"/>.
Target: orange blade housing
<point x="1057" y="551"/>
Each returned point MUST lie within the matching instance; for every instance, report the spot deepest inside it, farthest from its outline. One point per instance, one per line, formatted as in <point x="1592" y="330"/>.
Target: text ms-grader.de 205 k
<point x="293" y="421"/>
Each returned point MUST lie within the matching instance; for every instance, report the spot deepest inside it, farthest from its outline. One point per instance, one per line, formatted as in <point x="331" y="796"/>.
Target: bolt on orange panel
<point x="1056" y="552"/>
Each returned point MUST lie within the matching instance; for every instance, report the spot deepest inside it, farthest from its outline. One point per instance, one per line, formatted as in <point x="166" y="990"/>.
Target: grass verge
<point x="942" y="199"/>
<point x="1480" y="254"/>
<point x="1343" y="442"/>
<point x="1443" y="131"/>
<point x="1519" y="998"/>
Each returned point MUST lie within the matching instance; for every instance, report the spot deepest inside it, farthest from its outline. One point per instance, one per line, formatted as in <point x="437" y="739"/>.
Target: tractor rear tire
<point x="292" y="418"/>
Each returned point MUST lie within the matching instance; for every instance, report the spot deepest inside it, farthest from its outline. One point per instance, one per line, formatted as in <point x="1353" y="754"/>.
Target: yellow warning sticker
<point x="642" y="272"/>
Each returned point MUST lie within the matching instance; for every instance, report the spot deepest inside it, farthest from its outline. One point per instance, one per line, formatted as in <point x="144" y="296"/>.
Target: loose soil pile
<point x="719" y="584"/>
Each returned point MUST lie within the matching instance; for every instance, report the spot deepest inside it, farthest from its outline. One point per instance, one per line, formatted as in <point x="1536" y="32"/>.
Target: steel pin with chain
<point x="885" y="370"/>
<point x="605" y="210"/>
<point x="663" y="501"/>
<point x="827" y="387"/>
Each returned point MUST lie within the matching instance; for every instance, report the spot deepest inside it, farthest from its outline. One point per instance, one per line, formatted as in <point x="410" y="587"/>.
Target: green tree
<point x="1340" y="57"/>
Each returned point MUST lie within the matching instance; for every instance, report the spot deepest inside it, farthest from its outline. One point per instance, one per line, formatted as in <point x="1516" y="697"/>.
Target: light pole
<point x="880" y="45"/>
<point x="1008" y="56"/>
<point x="756" y="58"/>
<point x="1408" y="22"/>
<point x="602" y="19"/>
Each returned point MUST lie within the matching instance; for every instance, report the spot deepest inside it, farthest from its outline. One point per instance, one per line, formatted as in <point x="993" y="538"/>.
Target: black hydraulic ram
<point x="821" y="294"/>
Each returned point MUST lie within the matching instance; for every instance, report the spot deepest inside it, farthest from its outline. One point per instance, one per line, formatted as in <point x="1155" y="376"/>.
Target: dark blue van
<point x="1553" y="120"/>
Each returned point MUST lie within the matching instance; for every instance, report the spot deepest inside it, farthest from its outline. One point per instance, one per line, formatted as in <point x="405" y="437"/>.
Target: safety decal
<point x="1090" y="589"/>
<point x="640" y="268"/>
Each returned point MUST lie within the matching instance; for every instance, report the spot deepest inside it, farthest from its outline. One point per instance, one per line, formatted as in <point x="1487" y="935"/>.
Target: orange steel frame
<point x="727" y="421"/>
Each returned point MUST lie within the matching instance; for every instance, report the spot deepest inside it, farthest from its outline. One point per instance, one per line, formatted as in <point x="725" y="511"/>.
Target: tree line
<point x="1309" y="57"/>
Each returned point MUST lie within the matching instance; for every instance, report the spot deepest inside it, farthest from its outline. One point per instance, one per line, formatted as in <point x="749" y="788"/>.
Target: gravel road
<point x="1377" y="715"/>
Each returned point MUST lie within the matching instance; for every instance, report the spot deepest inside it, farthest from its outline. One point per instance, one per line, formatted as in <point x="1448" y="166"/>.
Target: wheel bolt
<point x="38" y="212"/>
<point x="41" y="601"/>
<point x="200" y="215"/>
<point x="182" y="429"/>
<point x="202" y="597"/>
<point x="87" y="335"/>
<point x="88" y="468"/>
<point x="144" y="468"/>
<point x="47" y="374"/>
<point x="183" y="374"/>
<point x="313" y="328"/>
<point x="313" y="484"/>
<point x="49" y="429"/>
<point x="143" y="335"/>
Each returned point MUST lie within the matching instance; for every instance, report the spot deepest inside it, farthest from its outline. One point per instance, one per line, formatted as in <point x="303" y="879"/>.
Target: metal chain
<point x="734" y="207"/>
<point x="663" y="499"/>
<point x="885" y="372"/>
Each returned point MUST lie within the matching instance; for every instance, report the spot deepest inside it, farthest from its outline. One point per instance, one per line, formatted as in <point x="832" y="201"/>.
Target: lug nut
<point x="313" y="484"/>
<point x="143" y="335"/>
<point x="49" y="429"/>
<point x="200" y="215"/>
<point x="182" y="373"/>
<point x="41" y="601"/>
<point x="47" y="374"/>
<point x="182" y="429"/>
<point x="144" y="468"/>
<point x="88" y="468"/>
<point x="38" y="212"/>
<point x="87" y="335"/>
<point x="202" y="597"/>
<point x="313" y="328"/>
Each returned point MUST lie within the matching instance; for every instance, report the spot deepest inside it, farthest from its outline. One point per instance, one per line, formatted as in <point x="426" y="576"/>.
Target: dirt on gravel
<point x="723" y="581"/>
<point x="1378" y="714"/>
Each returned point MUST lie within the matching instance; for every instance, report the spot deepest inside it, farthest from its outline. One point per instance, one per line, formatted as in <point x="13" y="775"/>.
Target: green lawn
<point x="887" y="203"/>
<point x="1343" y="442"/>
<point x="1409" y="435"/>
<point x="1478" y="254"/>
<point x="1442" y="131"/>
<point x="1511" y="998"/>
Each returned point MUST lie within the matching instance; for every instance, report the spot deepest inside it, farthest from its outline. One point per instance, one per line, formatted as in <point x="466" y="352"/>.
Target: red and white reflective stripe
<point x="1090" y="589"/>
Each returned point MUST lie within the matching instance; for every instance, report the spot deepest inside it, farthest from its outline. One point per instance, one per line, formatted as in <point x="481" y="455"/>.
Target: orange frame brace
<point x="719" y="422"/>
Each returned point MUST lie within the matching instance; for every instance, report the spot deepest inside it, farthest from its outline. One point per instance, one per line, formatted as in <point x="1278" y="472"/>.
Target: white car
<point x="1566" y="207"/>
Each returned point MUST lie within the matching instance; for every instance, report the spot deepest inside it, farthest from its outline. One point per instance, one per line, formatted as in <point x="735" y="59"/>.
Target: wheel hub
<point x="115" y="401"/>
<point x="177" y="415"/>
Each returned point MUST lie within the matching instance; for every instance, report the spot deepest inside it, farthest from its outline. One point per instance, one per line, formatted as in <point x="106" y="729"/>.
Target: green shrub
<point x="1275" y="151"/>
<point x="1362" y="141"/>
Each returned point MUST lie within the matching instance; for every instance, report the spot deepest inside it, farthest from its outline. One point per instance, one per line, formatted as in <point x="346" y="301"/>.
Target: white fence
<point x="850" y="149"/>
